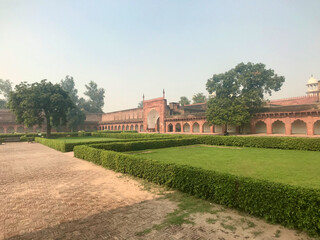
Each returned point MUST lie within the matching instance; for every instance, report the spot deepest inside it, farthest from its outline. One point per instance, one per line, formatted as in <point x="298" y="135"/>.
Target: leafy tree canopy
<point x="199" y="98"/>
<point x="140" y="104"/>
<point x="5" y="89"/>
<point x="68" y="85"/>
<point x="34" y="103"/>
<point x="75" y="116"/>
<point x="240" y="93"/>
<point x="184" y="101"/>
<point x="96" y="98"/>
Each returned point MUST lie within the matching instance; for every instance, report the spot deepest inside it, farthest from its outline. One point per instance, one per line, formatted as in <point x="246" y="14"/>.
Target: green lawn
<point x="300" y="168"/>
<point x="87" y="139"/>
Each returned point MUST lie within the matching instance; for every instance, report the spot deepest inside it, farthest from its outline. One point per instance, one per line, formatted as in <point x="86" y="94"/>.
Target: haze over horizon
<point x="132" y="48"/>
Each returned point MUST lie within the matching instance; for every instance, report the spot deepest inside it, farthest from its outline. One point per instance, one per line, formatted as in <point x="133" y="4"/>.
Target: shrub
<point x="296" y="143"/>
<point x="53" y="143"/>
<point x="112" y="131"/>
<point x="5" y="135"/>
<point x="83" y="134"/>
<point x="126" y="135"/>
<point x="279" y="203"/>
<point x="25" y="139"/>
<point x="63" y="146"/>
<point x="144" y="144"/>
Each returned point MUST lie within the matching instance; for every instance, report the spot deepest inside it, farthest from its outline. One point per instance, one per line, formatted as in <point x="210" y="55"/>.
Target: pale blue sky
<point x="135" y="47"/>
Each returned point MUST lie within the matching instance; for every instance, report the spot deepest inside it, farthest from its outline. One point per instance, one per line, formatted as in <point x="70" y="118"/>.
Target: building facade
<point x="292" y="116"/>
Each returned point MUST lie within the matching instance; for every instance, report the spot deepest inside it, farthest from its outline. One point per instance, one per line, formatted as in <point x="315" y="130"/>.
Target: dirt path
<point x="45" y="194"/>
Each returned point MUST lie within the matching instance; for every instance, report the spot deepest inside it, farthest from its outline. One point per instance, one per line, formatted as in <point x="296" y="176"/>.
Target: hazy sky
<point x="135" y="47"/>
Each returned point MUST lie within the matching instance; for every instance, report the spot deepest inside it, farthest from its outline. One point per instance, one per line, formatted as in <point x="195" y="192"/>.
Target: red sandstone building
<point x="299" y="115"/>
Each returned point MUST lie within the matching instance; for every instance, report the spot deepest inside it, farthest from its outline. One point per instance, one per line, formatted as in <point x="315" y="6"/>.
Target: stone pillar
<point x="212" y="129"/>
<point x="269" y="125"/>
<point x="310" y="126"/>
<point x="288" y="126"/>
<point x="201" y="127"/>
<point x="252" y="127"/>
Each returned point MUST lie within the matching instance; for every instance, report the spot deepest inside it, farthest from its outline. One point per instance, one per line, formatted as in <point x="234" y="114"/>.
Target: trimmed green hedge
<point x="53" y="135"/>
<point x="5" y="135"/>
<point x="112" y="131"/>
<point x="125" y="135"/>
<point x="145" y="144"/>
<point x="63" y="146"/>
<point x="296" y="143"/>
<point x="278" y="203"/>
<point x="25" y="139"/>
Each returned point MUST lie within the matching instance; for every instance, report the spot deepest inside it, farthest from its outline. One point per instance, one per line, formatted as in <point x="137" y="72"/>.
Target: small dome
<point x="312" y="80"/>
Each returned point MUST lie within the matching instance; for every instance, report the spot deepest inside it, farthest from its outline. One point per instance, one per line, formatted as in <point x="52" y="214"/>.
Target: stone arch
<point x="131" y="128"/>
<point x="170" y="127"/>
<point x="316" y="128"/>
<point x="196" y="127"/>
<point x="186" y="127"/>
<point x="127" y="128"/>
<point x="278" y="127"/>
<point x="152" y="119"/>
<point x="10" y="129"/>
<point x="20" y="129"/>
<point x="141" y="128"/>
<point x="136" y="127"/>
<point x="116" y="128"/>
<point x="30" y="129"/>
<point x="206" y="128"/>
<point x="261" y="127"/>
<point x="111" y="128"/>
<point x="1" y="130"/>
<point x="299" y="127"/>
<point x="178" y="127"/>
<point x="245" y="129"/>
<point x="123" y="128"/>
<point x="231" y="128"/>
<point x="217" y="128"/>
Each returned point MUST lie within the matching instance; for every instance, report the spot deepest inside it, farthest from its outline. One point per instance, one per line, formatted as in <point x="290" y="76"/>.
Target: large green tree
<point x="75" y="116"/>
<point x="95" y="102"/>
<point x="199" y="98"/>
<point x="239" y="93"/>
<point x="38" y="102"/>
<point x="68" y="85"/>
<point x="140" y="104"/>
<point x="5" y="89"/>
<point x="184" y="101"/>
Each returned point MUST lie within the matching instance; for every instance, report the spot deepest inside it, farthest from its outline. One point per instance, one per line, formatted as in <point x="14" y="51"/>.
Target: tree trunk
<point x="48" y="127"/>
<point x="225" y="128"/>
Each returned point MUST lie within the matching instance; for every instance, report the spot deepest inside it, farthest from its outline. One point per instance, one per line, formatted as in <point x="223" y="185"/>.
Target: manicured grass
<point x="86" y="139"/>
<point x="299" y="168"/>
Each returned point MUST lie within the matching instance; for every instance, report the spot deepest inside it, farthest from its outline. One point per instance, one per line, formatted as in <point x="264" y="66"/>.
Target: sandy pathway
<point x="42" y="188"/>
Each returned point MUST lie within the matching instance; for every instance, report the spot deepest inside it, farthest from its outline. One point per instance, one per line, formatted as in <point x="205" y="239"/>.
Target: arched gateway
<point x="153" y="121"/>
